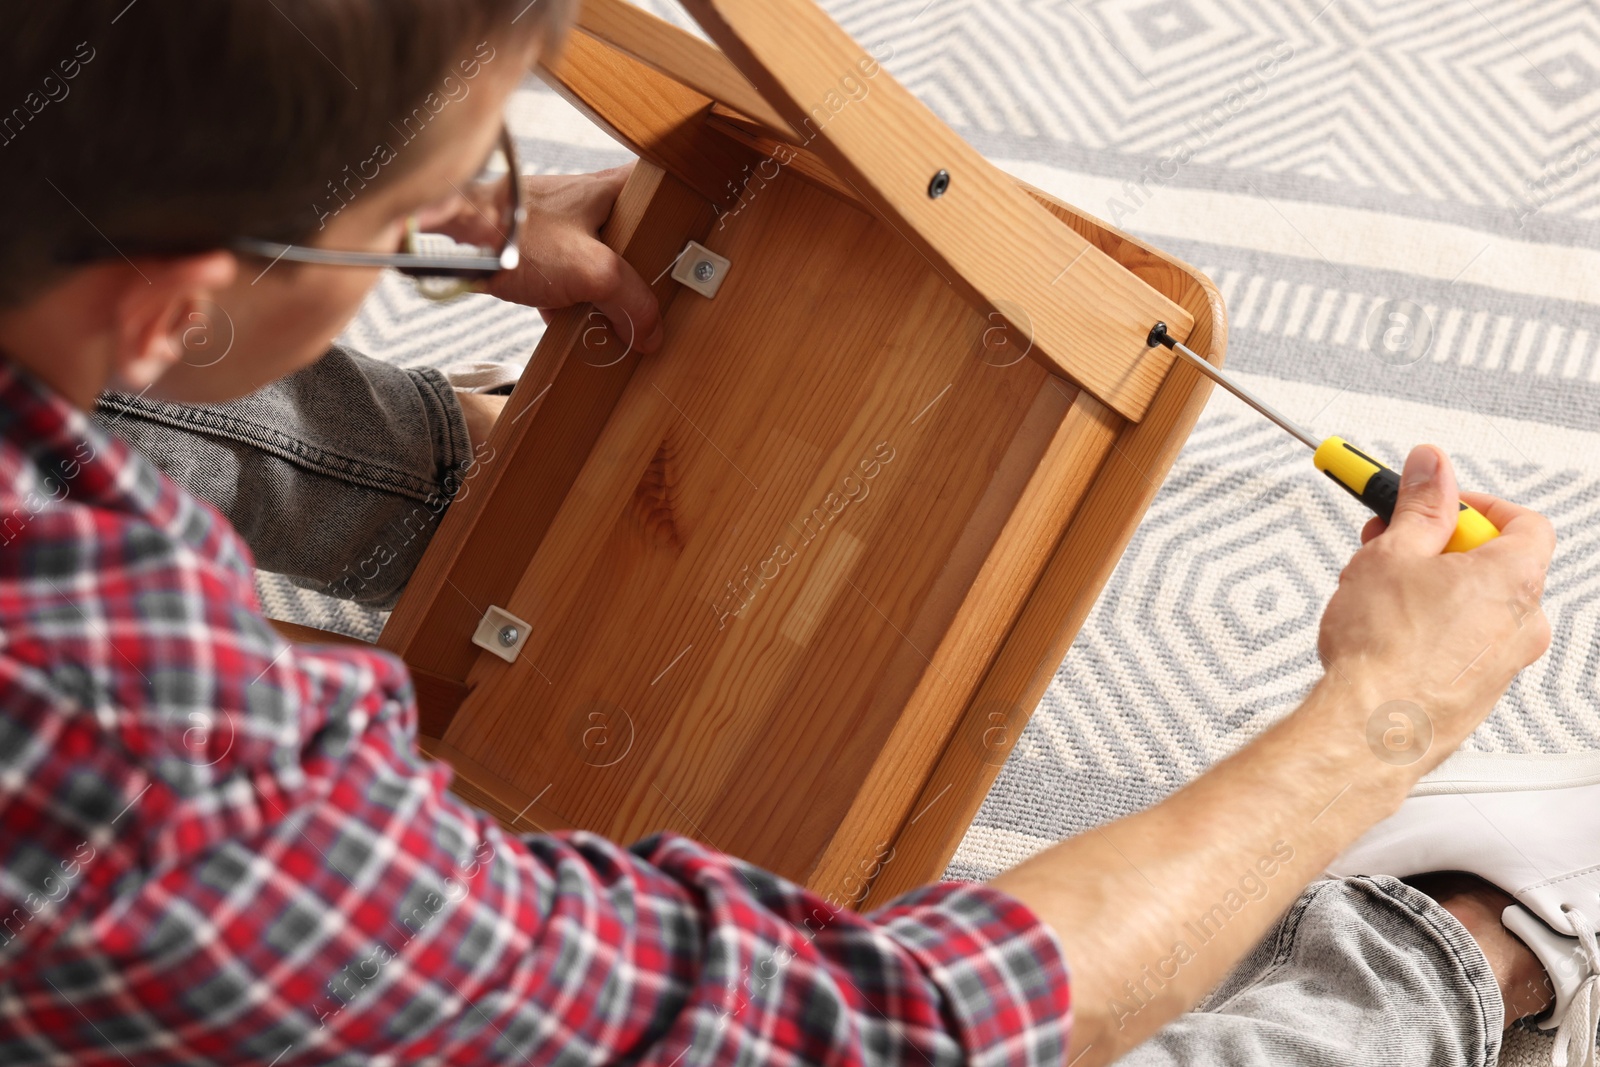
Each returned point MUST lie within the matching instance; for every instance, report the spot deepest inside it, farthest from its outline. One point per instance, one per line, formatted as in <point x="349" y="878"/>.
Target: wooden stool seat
<point x="793" y="584"/>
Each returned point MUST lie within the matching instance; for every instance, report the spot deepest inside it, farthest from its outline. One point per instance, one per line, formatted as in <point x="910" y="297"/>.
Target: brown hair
<point x="177" y="125"/>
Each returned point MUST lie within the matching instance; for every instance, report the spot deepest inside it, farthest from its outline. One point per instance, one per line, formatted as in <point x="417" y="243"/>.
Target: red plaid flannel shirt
<point x="216" y="848"/>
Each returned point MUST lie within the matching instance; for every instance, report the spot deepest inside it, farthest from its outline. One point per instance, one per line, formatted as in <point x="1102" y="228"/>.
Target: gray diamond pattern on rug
<point x="1326" y="163"/>
<point x="1168" y="22"/>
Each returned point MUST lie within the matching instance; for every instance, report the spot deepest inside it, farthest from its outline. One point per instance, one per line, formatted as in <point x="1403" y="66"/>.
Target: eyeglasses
<point x="448" y="249"/>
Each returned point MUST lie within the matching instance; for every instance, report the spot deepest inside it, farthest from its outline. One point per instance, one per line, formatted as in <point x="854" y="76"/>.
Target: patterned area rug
<point x="1397" y="199"/>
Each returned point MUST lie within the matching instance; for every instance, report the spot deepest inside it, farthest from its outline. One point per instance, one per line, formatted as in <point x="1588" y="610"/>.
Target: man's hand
<point x="566" y="263"/>
<point x="1446" y="633"/>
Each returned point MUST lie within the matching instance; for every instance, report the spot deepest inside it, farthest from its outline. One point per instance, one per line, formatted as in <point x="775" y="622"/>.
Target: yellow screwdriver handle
<point x="1378" y="487"/>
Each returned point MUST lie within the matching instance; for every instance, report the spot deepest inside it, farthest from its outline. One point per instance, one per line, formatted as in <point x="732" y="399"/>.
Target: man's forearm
<point x="1155" y="909"/>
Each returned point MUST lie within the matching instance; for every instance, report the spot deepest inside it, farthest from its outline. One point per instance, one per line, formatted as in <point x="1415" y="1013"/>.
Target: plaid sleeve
<point x="952" y="973"/>
<point x="998" y="967"/>
<point x="371" y="918"/>
<point x="217" y="848"/>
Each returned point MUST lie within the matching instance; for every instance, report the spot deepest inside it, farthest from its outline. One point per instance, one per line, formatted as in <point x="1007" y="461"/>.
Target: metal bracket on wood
<point x="502" y="633"/>
<point x="701" y="269"/>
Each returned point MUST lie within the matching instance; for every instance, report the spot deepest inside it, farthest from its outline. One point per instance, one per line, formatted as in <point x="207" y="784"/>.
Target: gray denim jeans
<point x="336" y="476"/>
<point x="318" y="468"/>
<point x="1361" y="972"/>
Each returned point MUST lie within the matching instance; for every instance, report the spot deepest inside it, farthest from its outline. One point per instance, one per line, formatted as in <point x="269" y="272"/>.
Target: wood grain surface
<point x="556" y="413"/>
<point x="795" y="581"/>
<point x="681" y="56"/>
<point x="1085" y="316"/>
<point x="1066" y="590"/>
<point x="656" y="117"/>
<point x="757" y="600"/>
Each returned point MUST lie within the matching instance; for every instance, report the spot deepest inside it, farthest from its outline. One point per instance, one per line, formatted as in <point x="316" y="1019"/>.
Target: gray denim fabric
<point x="318" y="469"/>
<point x="1361" y="972"/>
<point x="335" y="476"/>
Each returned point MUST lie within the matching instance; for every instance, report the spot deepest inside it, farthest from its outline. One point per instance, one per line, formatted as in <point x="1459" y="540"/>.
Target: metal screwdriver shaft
<point x="1160" y="336"/>
<point x="1372" y="483"/>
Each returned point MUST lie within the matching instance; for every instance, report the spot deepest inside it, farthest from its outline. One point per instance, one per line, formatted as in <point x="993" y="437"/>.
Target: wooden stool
<point x="793" y="584"/>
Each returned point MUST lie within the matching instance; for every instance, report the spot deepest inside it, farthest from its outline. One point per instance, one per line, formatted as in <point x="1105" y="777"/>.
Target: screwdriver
<point x="1372" y="483"/>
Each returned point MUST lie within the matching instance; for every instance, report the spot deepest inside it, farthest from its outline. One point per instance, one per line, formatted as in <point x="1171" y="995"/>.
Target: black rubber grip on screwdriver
<point x="1381" y="493"/>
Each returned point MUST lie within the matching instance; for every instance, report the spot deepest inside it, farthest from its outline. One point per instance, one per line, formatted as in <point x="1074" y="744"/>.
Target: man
<point x="217" y="848"/>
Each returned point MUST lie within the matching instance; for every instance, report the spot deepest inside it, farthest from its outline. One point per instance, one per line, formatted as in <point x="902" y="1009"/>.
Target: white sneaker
<point x="1531" y="826"/>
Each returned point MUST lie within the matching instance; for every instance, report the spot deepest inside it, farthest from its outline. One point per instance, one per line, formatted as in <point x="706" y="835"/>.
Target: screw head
<point x="509" y="636"/>
<point x="940" y="185"/>
<point x="705" y="270"/>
